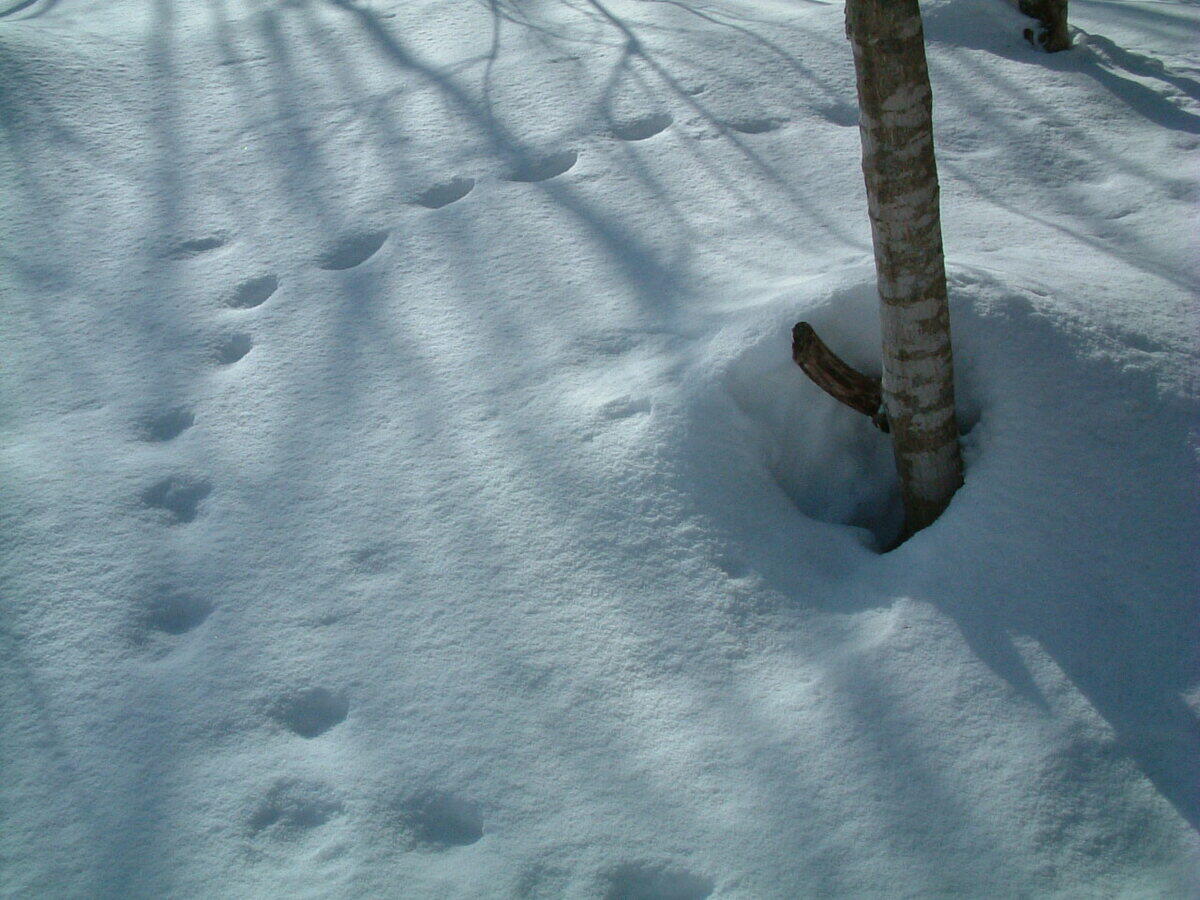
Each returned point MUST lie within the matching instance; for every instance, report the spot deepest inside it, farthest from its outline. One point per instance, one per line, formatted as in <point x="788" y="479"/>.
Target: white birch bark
<point x="896" y="126"/>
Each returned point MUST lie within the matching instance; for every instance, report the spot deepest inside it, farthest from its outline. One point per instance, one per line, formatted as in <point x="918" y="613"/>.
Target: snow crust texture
<point x="406" y="489"/>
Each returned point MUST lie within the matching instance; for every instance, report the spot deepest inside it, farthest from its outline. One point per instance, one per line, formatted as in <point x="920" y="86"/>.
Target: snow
<point x="407" y="489"/>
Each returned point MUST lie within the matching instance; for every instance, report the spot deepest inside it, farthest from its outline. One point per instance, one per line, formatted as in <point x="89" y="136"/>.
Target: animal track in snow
<point x="732" y="567"/>
<point x="293" y="806"/>
<point x="312" y="712"/>
<point x="542" y="879"/>
<point x="253" y="292"/>
<point x="233" y="348"/>
<point x="845" y="115"/>
<point x="173" y="612"/>
<point x="643" y="127"/>
<point x="179" y="496"/>
<point x="753" y="125"/>
<point x="655" y="881"/>
<point x="445" y="193"/>
<point x="167" y="424"/>
<point x="440" y="820"/>
<point x="242" y="60"/>
<point x="196" y="246"/>
<point x="544" y="167"/>
<point x="351" y="250"/>
<point x="373" y="559"/>
<point x="624" y="408"/>
<point x="609" y="342"/>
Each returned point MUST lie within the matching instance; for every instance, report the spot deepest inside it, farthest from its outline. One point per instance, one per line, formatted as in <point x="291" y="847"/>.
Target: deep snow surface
<point x="406" y="489"/>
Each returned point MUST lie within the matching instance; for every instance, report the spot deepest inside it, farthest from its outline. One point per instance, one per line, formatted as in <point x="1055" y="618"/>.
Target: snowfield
<point x="406" y="489"/>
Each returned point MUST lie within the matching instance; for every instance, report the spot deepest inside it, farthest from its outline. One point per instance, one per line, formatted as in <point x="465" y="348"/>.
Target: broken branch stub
<point x="840" y="381"/>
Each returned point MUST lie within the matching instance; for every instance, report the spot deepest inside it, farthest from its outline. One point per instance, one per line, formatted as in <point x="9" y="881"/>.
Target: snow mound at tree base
<point x="829" y="461"/>
<point x="1072" y="528"/>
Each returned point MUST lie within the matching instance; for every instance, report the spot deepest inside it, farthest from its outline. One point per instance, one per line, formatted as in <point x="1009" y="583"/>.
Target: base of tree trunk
<point x="1053" y="34"/>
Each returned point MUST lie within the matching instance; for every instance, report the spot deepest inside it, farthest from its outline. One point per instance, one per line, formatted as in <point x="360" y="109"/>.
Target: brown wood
<point x="1054" y="34"/>
<point x="835" y="377"/>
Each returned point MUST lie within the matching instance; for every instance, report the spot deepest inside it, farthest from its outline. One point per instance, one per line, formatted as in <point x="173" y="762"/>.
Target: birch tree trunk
<point x="896" y="127"/>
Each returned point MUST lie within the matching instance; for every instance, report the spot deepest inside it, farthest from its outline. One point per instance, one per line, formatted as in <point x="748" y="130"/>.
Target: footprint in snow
<point x="845" y="115"/>
<point x="543" y="878"/>
<point x="293" y="806"/>
<point x="654" y="881"/>
<point x="733" y="567"/>
<point x="542" y="168"/>
<point x="312" y="712"/>
<point x="171" y="612"/>
<point x="351" y="250"/>
<point x="439" y="820"/>
<point x="445" y="193"/>
<point x="160" y="617"/>
<point x="754" y="125"/>
<point x="167" y="424"/>
<point x="196" y="246"/>
<point x="624" y="408"/>
<point x="372" y="559"/>
<point x="252" y="292"/>
<point x="232" y="348"/>
<point x="643" y="127"/>
<point x="179" y="496"/>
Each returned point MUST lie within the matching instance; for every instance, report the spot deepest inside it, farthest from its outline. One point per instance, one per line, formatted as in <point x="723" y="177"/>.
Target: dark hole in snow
<point x="755" y="126"/>
<point x="253" y="292"/>
<point x="439" y="819"/>
<point x="444" y="194"/>
<point x="655" y="881"/>
<point x="234" y="348"/>
<point x="167" y="424"/>
<point x="178" y="495"/>
<point x="641" y="128"/>
<point x="351" y="250"/>
<point x="196" y="246"/>
<point x="175" y="613"/>
<point x="543" y="168"/>
<point x="312" y="712"/>
<point x="292" y="806"/>
<point x="830" y="461"/>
